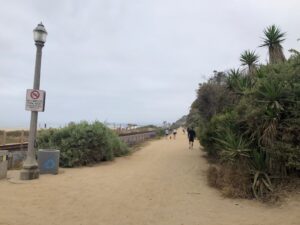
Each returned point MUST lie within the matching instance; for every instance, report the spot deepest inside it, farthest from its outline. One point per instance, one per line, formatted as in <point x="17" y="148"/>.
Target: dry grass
<point x="235" y="183"/>
<point x="285" y="188"/>
<point x="232" y="182"/>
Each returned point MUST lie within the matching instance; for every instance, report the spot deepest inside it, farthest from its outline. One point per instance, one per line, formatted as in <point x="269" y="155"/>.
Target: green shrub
<point x="208" y="133"/>
<point x="160" y="132"/>
<point x="83" y="143"/>
<point x="238" y="82"/>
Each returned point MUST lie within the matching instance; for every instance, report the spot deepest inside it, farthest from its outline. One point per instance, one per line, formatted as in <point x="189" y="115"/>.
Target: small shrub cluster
<point x="249" y="120"/>
<point x="82" y="144"/>
<point x="160" y="132"/>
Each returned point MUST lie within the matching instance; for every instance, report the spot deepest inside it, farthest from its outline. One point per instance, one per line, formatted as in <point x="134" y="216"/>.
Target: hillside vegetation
<point x="248" y="121"/>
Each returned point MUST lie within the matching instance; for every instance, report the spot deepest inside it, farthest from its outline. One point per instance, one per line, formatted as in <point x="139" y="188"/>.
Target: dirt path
<point x="164" y="183"/>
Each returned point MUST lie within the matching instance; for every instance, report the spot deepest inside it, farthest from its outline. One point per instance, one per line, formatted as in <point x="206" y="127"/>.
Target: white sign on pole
<point x="35" y="100"/>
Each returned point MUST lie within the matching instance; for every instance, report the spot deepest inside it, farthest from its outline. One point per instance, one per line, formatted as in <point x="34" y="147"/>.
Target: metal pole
<point x="30" y="167"/>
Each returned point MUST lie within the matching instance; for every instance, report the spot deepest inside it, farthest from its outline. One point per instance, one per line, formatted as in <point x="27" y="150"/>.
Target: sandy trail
<point x="163" y="183"/>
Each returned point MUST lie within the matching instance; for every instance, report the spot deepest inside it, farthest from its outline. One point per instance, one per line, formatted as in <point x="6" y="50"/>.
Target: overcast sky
<point x="137" y="61"/>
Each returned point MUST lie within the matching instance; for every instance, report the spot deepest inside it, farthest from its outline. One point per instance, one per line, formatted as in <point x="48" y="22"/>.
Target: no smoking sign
<point x="35" y="94"/>
<point x="35" y="100"/>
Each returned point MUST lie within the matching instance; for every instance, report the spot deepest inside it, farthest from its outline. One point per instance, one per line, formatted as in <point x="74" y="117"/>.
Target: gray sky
<point x="128" y="61"/>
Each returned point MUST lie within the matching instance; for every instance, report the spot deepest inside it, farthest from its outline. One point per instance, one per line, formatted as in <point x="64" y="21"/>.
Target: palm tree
<point x="250" y="59"/>
<point x="273" y="39"/>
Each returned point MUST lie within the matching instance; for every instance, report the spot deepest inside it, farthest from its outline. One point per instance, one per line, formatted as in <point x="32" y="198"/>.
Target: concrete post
<point x="30" y="166"/>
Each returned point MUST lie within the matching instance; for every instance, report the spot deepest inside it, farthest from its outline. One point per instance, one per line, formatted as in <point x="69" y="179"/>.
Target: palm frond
<point x="273" y="40"/>
<point x="249" y="58"/>
<point x="273" y="36"/>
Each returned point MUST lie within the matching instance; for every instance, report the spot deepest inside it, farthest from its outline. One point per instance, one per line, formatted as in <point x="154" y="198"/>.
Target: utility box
<point x="48" y="160"/>
<point x="3" y="164"/>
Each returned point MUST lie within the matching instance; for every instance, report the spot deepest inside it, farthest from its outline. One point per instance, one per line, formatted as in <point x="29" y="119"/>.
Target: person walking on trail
<point x="191" y="136"/>
<point x="166" y="133"/>
<point x="174" y="133"/>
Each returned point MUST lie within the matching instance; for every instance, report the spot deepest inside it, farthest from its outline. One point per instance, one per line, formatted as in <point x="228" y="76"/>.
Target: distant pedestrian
<point x="166" y="133"/>
<point x="174" y="133"/>
<point x="191" y="136"/>
<point x="183" y="130"/>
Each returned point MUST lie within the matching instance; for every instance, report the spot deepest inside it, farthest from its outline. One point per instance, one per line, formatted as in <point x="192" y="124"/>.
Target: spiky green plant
<point x="271" y="93"/>
<point x="233" y="147"/>
<point x="273" y="40"/>
<point x="261" y="181"/>
<point x="250" y="59"/>
<point x="238" y="82"/>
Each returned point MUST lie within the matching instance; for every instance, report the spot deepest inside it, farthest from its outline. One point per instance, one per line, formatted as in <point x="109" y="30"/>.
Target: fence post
<point x="4" y="138"/>
<point x="22" y="139"/>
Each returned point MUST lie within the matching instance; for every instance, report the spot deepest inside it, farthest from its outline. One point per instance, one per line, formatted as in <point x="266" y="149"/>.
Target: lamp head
<point x="40" y="33"/>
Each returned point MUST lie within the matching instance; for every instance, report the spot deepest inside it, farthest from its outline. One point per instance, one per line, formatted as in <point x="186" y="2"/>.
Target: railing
<point x="135" y="138"/>
<point x="129" y="138"/>
<point x="14" y="147"/>
<point x="13" y="137"/>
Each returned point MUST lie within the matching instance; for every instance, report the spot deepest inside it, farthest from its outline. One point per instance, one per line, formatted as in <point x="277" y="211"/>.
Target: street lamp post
<point x="30" y="166"/>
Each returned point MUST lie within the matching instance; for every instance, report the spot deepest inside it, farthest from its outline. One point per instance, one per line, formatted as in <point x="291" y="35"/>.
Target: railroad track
<point x="14" y="147"/>
<point x="24" y="146"/>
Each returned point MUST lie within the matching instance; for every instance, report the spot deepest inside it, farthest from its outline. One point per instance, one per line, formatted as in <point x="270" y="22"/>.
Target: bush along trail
<point x="83" y="144"/>
<point x="248" y="121"/>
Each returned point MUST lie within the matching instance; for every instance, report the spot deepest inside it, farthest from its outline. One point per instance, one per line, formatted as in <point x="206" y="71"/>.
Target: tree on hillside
<point x="219" y="78"/>
<point x="273" y="40"/>
<point x="250" y="59"/>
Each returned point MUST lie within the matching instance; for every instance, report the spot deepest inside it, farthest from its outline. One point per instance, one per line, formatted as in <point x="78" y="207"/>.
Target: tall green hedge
<point x="83" y="143"/>
<point x="253" y="125"/>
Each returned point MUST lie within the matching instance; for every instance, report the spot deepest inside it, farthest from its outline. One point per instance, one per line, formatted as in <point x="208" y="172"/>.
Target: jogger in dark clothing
<point x="191" y="136"/>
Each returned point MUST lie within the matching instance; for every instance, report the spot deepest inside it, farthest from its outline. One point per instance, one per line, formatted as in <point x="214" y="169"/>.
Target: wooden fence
<point x="13" y="137"/>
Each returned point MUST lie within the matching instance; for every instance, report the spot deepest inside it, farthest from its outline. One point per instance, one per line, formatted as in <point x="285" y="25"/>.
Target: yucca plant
<point x="269" y="128"/>
<point x="233" y="147"/>
<point x="273" y="40"/>
<point x="232" y="77"/>
<point x="261" y="181"/>
<point x="269" y="96"/>
<point x="271" y="92"/>
<point x="238" y="82"/>
<point x="250" y="59"/>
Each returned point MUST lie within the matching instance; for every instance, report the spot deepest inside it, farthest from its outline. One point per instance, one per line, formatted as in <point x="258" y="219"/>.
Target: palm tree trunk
<point x="276" y="55"/>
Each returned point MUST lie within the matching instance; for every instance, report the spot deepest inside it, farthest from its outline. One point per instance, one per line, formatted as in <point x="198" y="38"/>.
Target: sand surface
<point x="163" y="183"/>
<point x="13" y="129"/>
